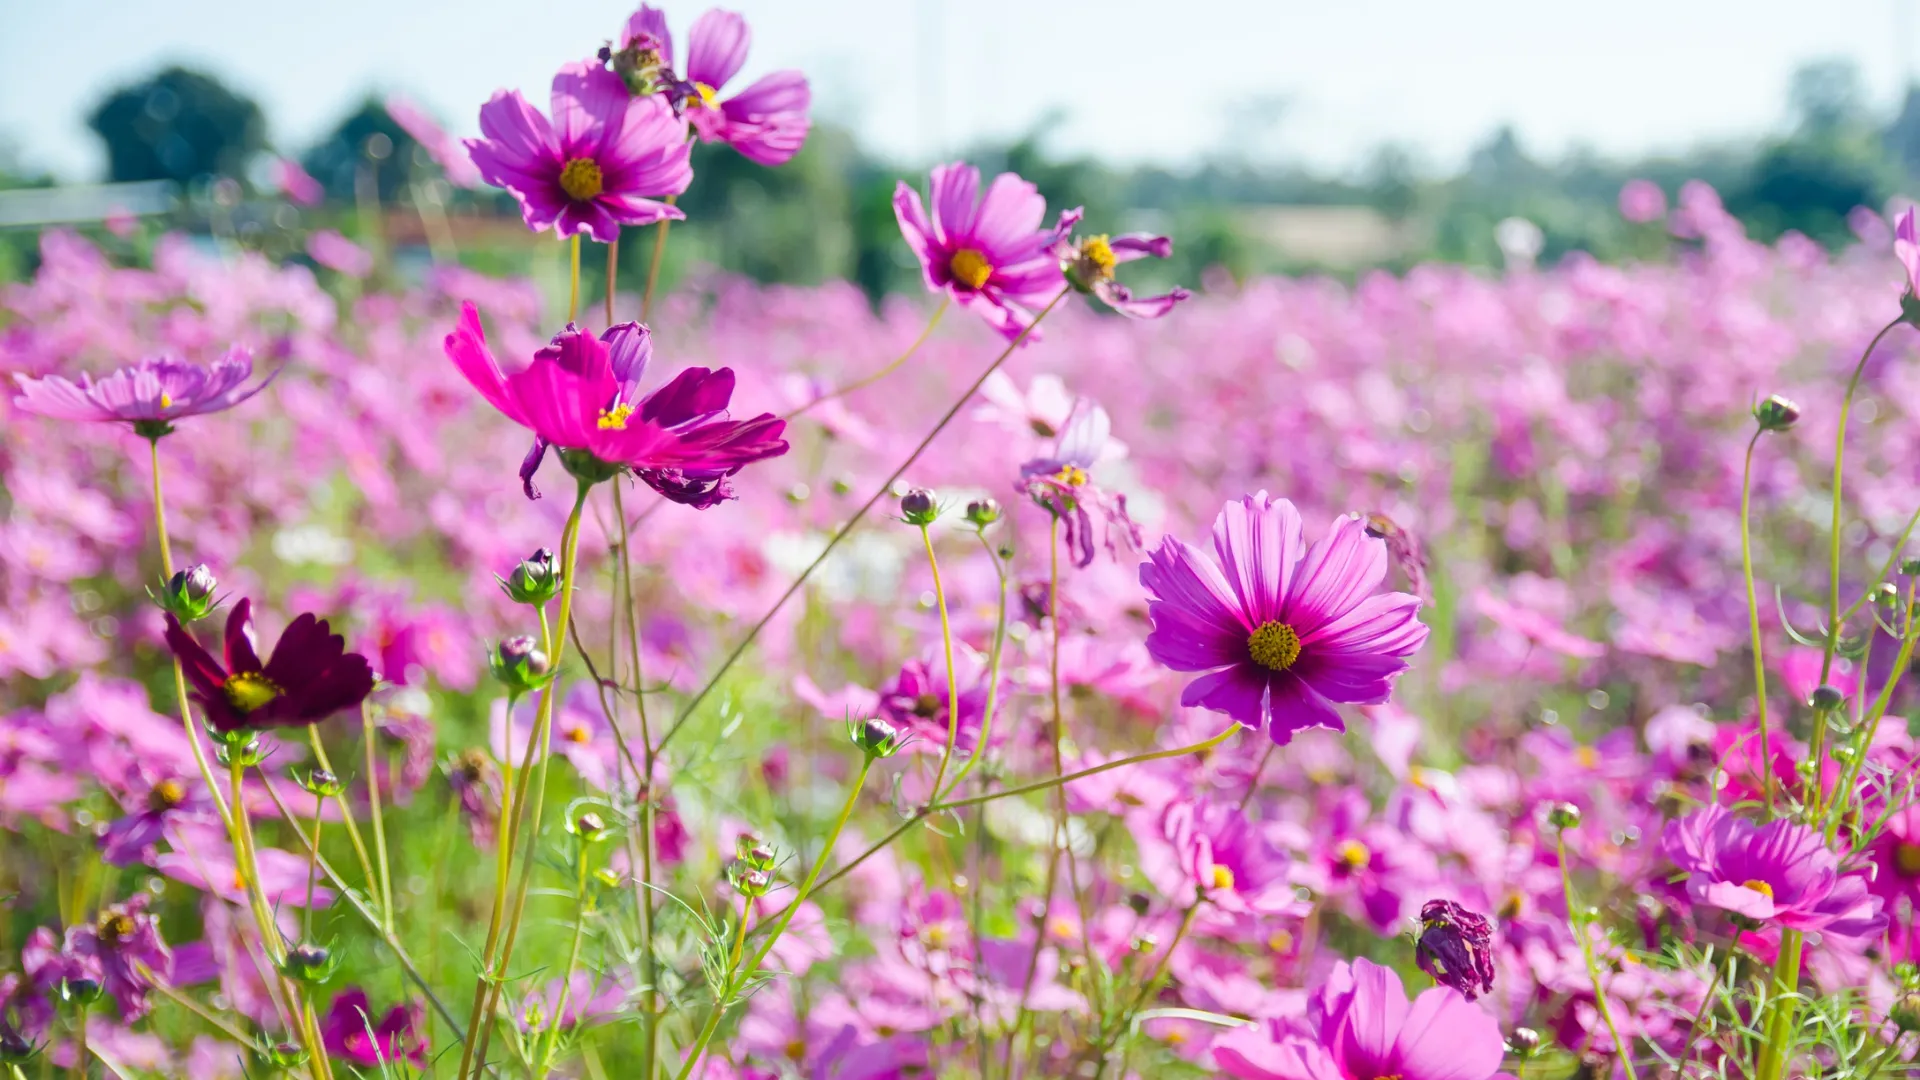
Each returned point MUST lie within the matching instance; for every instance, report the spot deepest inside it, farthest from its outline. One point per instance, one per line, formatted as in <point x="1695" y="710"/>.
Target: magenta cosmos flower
<point x="1281" y="637"/>
<point x="309" y="677"/>
<point x="1906" y="246"/>
<point x="1364" y="1028"/>
<point x="350" y="1032"/>
<point x="581" y="394"/>
<point x="988" y="252"/>
<point x="598" y="165"/>
<point x="767" y="122"/>
<point x="1781" y="872"/>
<point x="150" y="395"/>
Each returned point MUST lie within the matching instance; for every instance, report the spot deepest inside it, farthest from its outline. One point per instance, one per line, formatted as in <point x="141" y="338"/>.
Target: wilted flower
<point x="581" y="395"/>
<point x="1089" y="264"/>
<point x="309" y="677"/>
<point x="1282" y="631"/>
<point x="767" y="122"/>
<point x="349" y="1032"/>
<point x="150" y="395"/>
<point x="1061" y="483"/>
<point x="988" y="252"/>
<point x="600" y="164"/>
<point x="1455" y="947"/>
<point x="1781" y="872"/>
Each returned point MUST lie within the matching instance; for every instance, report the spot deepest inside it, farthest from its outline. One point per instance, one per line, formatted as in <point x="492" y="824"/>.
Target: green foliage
<point x="178" y="125"/>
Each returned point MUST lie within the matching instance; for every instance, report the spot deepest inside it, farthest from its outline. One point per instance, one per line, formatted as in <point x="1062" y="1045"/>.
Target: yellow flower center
<point x="970" y="268"/>
<point x="115" y="926"/>
<point x="580" y="179"/>
<point x="1907" y="858"/>
<point x="1222" y="877"/>
<point x="1280" y="941"/>
<point x="1071" y="476"/>
<point x="578" y="734"/>
<point x="1759" y="886"/>
<point x="239" y="881"/>
<point x="1096" y="254"/>
<point x="615" y="419"/>
<point x="166" y="400"/>
<point x="1587" y="756"/>
<point x="1062" y="929"/>
<point x="1176" y="1036"/>
<point x="166" y="795"/>
<point x="249" y="690"/>
<point x="936" y="936"/>
<point x="796" y="1050"/>
<point x="1353" y="855"/>
<point x="703" y="96"/>
<point x="1274" y="646"/>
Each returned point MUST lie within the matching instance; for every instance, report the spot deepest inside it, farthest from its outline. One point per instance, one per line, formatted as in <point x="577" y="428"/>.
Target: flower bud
<point x="747" y="880"/>
<point x="1564" y="816"/>
<point x="1826" y="698"/>
<point x="81" y="991"/>
<point x="321" y="783"/>
<point x="1139" y="902"/>
<point x="188" y="594"/>
<point x="1776" y="414"/>
<point x="534" y="581"/>
<point x="519" y="665"/>
<point x="875" y="737"/>
<point x="1910" y="567"/>
<point x="309" y="963"/>
<point x="918" y="508"/>
<point x="1905" y="1011"/>
<point x="982" y="513"/>
<point x="1524" y="1041"/>
<point x="1144" y="943"/>
<point x="14" y="1048"/>
<point x="284" y="1055"/>
<point x="1886" y="594"/>
<point x="589" y="826"/>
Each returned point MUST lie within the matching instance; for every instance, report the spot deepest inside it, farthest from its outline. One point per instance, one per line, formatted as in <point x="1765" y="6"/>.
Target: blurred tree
<point x="1903" y="135"/>
<point x="1827" y="96"/>
<point x="178" y="125"/>
<point x="1832" y="162"/>
<point x="366" y="137"/>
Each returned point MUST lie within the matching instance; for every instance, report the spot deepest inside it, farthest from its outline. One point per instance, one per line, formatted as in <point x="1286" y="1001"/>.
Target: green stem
<point x="993" y="675"/>
<point x="1833" y="544"/>
<point x="1578" y="926"/>
<point x="313" y="867"/>
<point x="1786" y="981"/>
<point x="643" y="783"/>
<point x="573" y="295"/>
<point x="1148" y="988"/>
<point x="1753" y="618"/>
<point x="346" y="817"/>
<point x="613" y="272"/>
<point x="379" y="821"/>
<point x="653" y="278"/>
<point x="581" y="910"/>
<point x="953" y="687"/>
<point x="833" y="542"/>
<point x="863" y="383"/>
<point x="1863" y="738"/>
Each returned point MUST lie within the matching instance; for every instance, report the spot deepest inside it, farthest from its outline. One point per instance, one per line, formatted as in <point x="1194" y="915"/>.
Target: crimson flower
<point x="309" y="677"/>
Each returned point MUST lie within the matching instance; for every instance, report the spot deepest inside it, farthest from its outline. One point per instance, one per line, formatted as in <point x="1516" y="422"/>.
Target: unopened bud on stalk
<point x="1524" y="1041"/>
<point x="875" y="737"/>
<point x="188" y="594"/>
<point x="1776" y="413"/>
<point x="1564" y="816"/>
<point x="589" y="826"/>
<point x="917" y="507"/>
<point x="1910" y="567"/>
<point x="1886" y="594"/>
<point x="1139" y="902"/>
<point x="285" y="1055"/>
<point x="309" y="963"/>
<point x="1826" y="698"/>
<point x="321" y="783"/>
<point x="81" y="992"/>
<point x="982" y="513"/>
<point x="1905" y="1011"/>
<point x="14" y="1048"/>
<point x="534" y="581"/>
<point x="519" y="665"/>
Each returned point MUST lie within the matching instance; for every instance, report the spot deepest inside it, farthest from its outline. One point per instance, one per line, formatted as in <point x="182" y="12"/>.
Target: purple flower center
<point x="249" y="690"/>
<point x="970" y="268"/>
<point x="580" y="179"/>
<point x="1274" y="646"/>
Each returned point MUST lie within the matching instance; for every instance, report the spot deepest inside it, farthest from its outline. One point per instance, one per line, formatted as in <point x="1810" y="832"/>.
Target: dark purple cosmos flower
<point x="121" y="949"/>
<point x="1089" y="264"/>
<point x="350" y="1033"/>
<point x="989" y="253"/>
<point x="1282" y="631"/>
<point x="151" y="393"/>
<point x="1060" y="483"/>
<point x="1456" y="947"/>
<point x="767" y="122"/>
<point x="309" y="677"/>
<point x="1782" y="872"/>
<point x="1364" y="1028"/>
<point x="165" y="800"/>
<point x="582" y="393"/>
<point x="600" y="164"/>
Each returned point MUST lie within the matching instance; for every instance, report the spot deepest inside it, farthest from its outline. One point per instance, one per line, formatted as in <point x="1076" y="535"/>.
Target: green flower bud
<point x="982" y="513"/>
<point x="1886" y="594"/>
<point x="284" y="1055"/>
<point x="189" y="594"/>
<point x="1524" y="1041"/>
<point x="1826" y="698"/>
<point x="875" y="737"/>
<point x="917" y="507"/>
<point x="309" y="963"/>
<point x="588" y="826"/>
<point x="15" y="1049"/>
<point x="321" y="783"/>
<point x="81" y="992"/>
<point x="519" y="665"/>
<point x="535" y="581"/>
<point x="1776" y="414"/>
<point x="1564" y="816"/>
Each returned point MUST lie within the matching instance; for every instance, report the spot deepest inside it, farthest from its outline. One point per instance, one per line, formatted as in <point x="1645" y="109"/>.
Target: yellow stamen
<point x="1222" y="877"/>
<point x="249" y="690"/>
<point x="936" y="936"/>
<point x="1907" y="857"/>
<point x="1354" y="855"/>
<point x="1280" y="941"/>
<point x="1587" y="756"/>
<point x="166" y="795"/>
<point x="796" y="1050"/>
<point x="1274" y="646"/>
<point x="578" y="735"/>
<point x="1759" y="886"/>
<point x="1097" y="255"/>
<point x="615" y="419"/>
<point x="1071" y="476"/>
<point x="115" y="926"/>
<point x="166" y="400"/>
<point x="970" y="268"/>
<point x="580" y="179"/>
<point x="1062" y="929"/>
<point x="703" y="96"/>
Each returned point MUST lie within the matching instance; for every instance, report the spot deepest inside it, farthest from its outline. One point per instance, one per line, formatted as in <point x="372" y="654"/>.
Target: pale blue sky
<point x="1139" y="80"/>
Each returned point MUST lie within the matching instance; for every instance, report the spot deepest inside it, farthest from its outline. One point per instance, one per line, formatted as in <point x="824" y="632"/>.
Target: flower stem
<point x="313" y="867"/>
<point x="581" y="910"/>
<point x="179" y="673"/>
<point x="1785" y="982"/>
<point x="613" y="273"/>
<point x="379" y="819"/>
<point x="643" y="783"/>
<point x="993" y="675"/>
<point x="1753" y="618"/>
<point x="833" y="542"/>
<point x="346" y="816"/>
<point x="247" y="866"/>
<point x="1150" y="987"/>
<point x="653" y="278"/>
<point x="739" y="978"/>
<point x="1833" y="541"/>
<point x="863" y="383"/>
<point x="573" y="294"/>
<point x="1578" y="925"/>
<point x="946" y="639"/>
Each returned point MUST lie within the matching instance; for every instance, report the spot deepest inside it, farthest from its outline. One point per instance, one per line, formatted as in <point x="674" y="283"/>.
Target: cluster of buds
<point x="189" y="594"/>
<point x="875" y="737"/>
<point x="520" y="666"/>
<point x="535" y="581"/>
<point x="751" y="871"/>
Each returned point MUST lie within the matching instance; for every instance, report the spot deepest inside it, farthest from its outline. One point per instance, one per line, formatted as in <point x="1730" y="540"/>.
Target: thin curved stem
<point x="573" y="294"/>
<point x="863" y="383"/>
<point x="687" y="711"/>
<point x="1833" y="543"/>
<point x="581" y="910"/>
<point x="653" y="277"/>
<point x="993" y="676"/>
<point x="946" y="640"/>
<point x="1753" y="617"/>
<point x="200" y="760"/>
<point x="374" y="812"/>
<point x="1578" y="926"/>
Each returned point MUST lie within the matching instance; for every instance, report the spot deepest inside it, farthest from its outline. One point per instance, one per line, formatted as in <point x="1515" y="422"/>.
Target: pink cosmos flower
<point x="1906" y="246"/>
<point x="1282" y="631"/>
<point x="1090" y="262"/>
<point x="350" y="1032"/>
<point x="434" y="139"/>
<point x="598" y="165"/>
<point x="1364" y="1028"/>
<point x="153" y="392"/>
<point x="988" y="252"/>
<point x="1780" y="872"/>
<point x="767" y="122"/>
<point x="581" y="393"/>
<point x="1642" y="201"/>
<point x="336" y="252"/>
<point x="1059" y="483"/>
<point x="297" y="184"/>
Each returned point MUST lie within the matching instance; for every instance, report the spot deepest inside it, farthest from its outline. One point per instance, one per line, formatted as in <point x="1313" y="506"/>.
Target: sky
<point x="1319" y="83"/>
